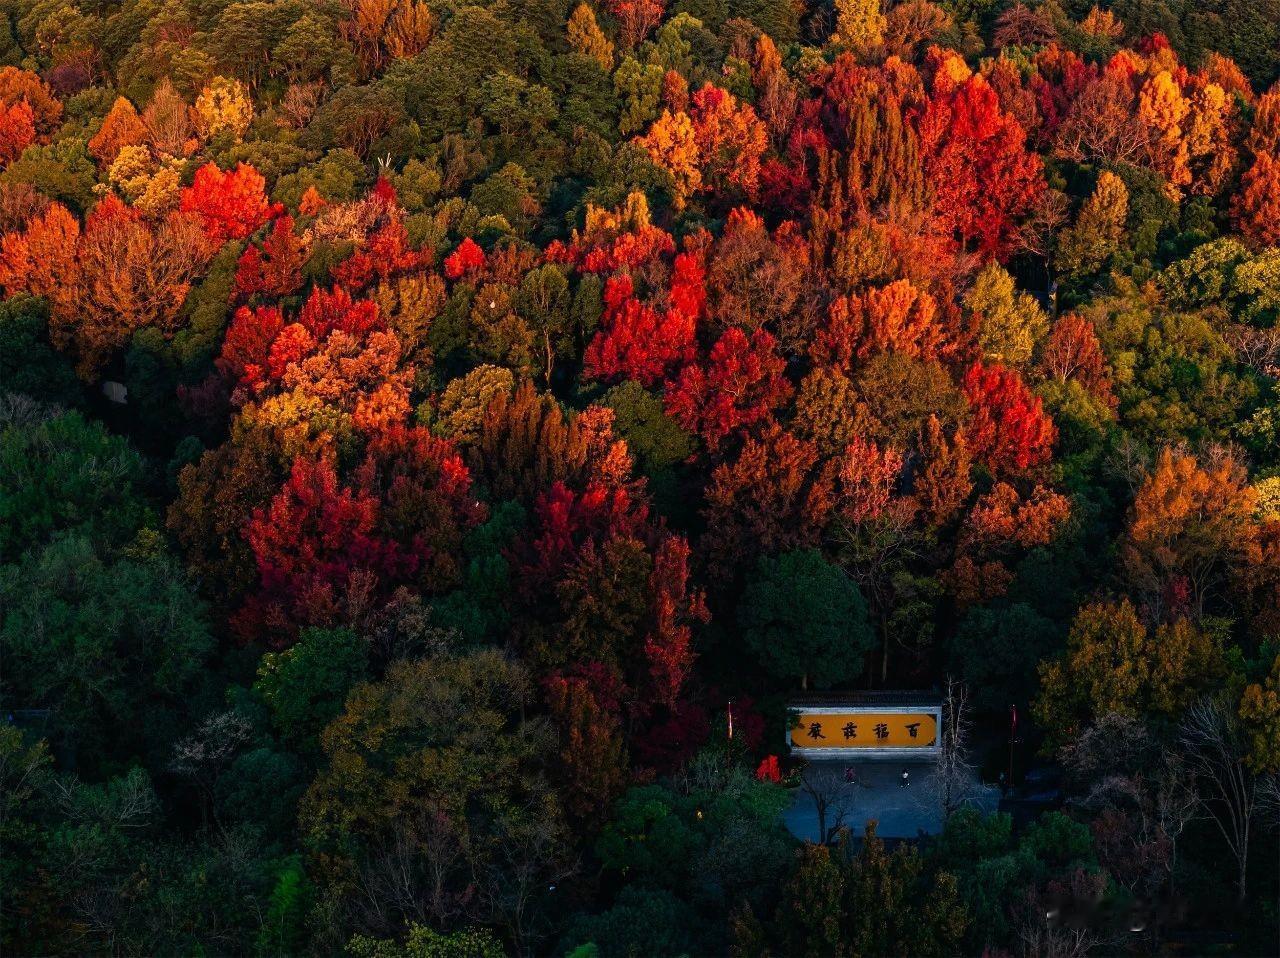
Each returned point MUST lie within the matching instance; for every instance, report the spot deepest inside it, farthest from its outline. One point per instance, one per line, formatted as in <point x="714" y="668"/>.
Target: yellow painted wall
<point x="865" y="730"/>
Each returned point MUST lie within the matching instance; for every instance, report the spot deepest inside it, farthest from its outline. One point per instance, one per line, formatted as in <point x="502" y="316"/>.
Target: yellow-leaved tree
<point x="223" y="106"/>
<point x="586" y="37"/>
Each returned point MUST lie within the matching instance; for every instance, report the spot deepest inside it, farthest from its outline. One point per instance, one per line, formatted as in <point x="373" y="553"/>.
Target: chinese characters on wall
<point x="866" y="729"/>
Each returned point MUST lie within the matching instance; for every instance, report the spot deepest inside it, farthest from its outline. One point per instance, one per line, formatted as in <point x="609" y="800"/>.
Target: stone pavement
<point x="877" y="794"/>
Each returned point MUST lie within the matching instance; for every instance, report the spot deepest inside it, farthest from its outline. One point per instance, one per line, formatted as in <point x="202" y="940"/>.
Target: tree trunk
<point x="1243" y="860"/>
<point x="884" y="657"/>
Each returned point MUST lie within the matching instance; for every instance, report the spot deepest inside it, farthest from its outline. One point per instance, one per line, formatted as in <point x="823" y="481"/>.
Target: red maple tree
<point x="976" y="158"/>
<point x="272" y="268"/>
<point x="467" y="259"/>
<point x="740" y="383"/>
<point x="1009" y="430"/>
<point x="230" y="205"/>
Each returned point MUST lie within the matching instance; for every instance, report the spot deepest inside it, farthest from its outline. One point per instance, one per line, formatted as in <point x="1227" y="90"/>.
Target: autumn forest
<point x="439" y="438"/>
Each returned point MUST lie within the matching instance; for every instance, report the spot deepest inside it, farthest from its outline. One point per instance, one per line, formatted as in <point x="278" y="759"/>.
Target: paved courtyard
<point x="877" y="794"/>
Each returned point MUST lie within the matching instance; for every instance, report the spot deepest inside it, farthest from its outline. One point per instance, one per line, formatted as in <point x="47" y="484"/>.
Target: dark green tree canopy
<point x="803" y="618"/>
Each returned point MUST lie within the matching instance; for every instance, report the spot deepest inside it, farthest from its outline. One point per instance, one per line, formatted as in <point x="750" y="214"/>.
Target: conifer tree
<point x="586" y="37"/>
<point x="1097" y="232"/>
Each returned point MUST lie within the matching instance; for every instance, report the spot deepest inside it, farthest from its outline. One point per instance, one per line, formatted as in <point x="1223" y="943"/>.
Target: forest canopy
<point x="439" y="439"/>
